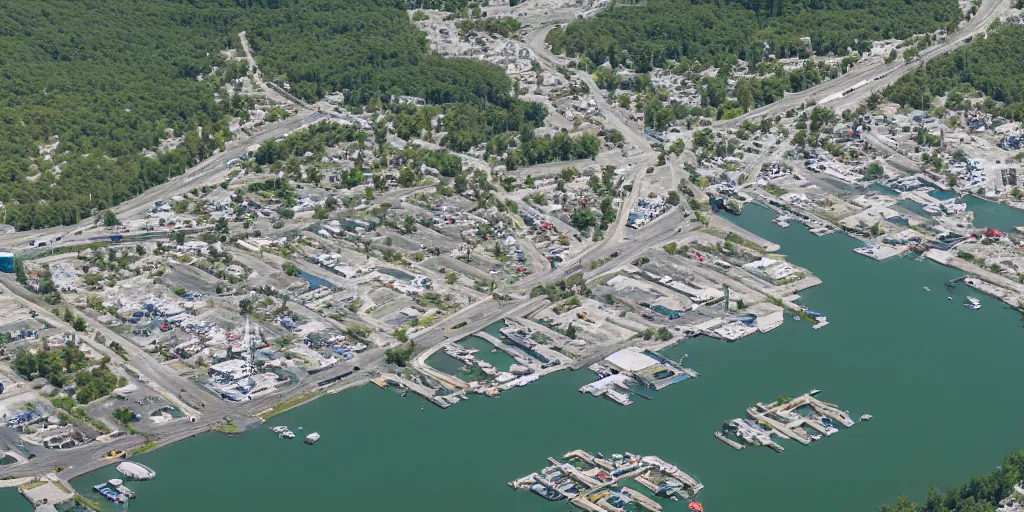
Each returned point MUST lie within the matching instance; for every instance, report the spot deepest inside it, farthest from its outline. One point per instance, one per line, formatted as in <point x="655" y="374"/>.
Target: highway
<point x="847" y="91"/>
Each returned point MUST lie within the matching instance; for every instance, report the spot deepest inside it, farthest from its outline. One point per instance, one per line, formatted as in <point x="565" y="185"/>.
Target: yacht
<point x="312" y="438"/>
<point x="972" y="303"/>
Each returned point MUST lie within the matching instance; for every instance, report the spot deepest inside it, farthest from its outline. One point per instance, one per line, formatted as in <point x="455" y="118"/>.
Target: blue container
<point x="6" y="262"/>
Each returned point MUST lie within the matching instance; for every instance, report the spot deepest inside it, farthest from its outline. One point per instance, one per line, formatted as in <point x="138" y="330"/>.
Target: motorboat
<point x="312" y="438"/>
<point x="814" y="391"/>
<point x="279" y="429"/>
<point x="927" y="289"/>
<point x="972" y="303"/>
<point x="866" y="417"/>
<point x="287" y="434"/>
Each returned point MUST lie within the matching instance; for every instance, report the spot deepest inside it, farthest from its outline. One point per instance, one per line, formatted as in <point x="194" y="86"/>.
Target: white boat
<point x="279" y="429"/>
<point x="619" y="398"/>
<point x="927" y="289"/>
<point x="312" y="438"/>
<point x="866" y="417"/>
<point x="972" y="303"/>
<point x="288" y="434"/>
<point x="814" y="391"/>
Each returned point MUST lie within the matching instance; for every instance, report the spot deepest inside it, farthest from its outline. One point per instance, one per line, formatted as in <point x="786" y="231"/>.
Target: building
<point x="775" y="271"/>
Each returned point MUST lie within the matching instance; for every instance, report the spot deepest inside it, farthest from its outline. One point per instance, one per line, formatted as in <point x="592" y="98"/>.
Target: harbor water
<point x="940" y="381"/>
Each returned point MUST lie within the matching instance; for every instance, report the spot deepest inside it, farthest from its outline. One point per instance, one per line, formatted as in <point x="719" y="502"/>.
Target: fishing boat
<point x="312" y="438"/>
<point x="972" y="303"/>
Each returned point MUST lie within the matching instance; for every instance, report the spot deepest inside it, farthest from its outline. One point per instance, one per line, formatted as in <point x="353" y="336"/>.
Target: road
<point x="618" y="239"/>
<point x="867" y="79"/>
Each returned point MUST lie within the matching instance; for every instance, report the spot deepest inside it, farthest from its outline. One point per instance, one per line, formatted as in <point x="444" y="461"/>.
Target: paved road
<point x="872" y="78"/>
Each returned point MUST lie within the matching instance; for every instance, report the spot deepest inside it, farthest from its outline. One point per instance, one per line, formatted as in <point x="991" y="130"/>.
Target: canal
<point x="940" y="380"/>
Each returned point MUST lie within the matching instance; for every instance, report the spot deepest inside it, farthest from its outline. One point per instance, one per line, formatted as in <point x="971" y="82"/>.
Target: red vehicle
<point x="521" y="269"/>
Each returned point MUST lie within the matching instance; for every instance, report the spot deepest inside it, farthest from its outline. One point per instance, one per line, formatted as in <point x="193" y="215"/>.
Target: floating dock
<point x="596" y="483"/>
<point x="785" y="419"/>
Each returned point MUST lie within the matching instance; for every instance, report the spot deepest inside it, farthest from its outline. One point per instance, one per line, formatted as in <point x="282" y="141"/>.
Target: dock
<point x="642" y="500"/>
<point x="425" y="392"/>
<point x="782" y="419"/>
<point x="722" y="437"/>
<point x="576" y="478"/>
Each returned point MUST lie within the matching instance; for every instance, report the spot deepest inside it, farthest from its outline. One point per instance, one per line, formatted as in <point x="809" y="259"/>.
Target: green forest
<point x="721" y="31"/>
<point x="107" y="78"/>
<point x="980" y="494"/>
<point x="991" y="66"/>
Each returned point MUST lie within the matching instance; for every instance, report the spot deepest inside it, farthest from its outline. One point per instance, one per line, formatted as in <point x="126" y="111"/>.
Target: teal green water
<point x="940" y="381"/>
<point x="988" y="214"/>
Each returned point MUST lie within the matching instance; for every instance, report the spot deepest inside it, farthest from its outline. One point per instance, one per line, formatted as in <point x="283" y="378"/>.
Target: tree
<point x="673" y="198"/>
<point x="451" y="278"/>
<point x="26" y="364"/>
<point x="571" y="331"/>
<point x="401" y="335"/>
<point x="110" y="219"/>
<point x="125" y="416"/>
<point x="320" y="212"/>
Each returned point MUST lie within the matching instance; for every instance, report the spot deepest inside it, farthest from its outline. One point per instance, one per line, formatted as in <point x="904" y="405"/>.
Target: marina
<point x="597" y="483"/>
<point x="803" y="419"/>
<point x="855" y="364"/>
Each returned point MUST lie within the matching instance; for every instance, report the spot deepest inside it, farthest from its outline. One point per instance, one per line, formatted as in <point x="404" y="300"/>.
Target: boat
<point x="972" y="303"/>
<point x="115" y="454"/>
<point x="287" y="434"/>
<point x="546" y="492"/>
<point x="949" y="297"/>
<point x="135" y="471"/>
<point x="796" y="317"/>
<point x="814" y="391"/>
<point x="619" y="398"/>
<point x="927" y="289"/>
<point x="279" y="429"/>
<point x="696" y="506"/>
<point x="866" y="417"/>
<point x="312" y="438"/>
<point x="126" y="492"/>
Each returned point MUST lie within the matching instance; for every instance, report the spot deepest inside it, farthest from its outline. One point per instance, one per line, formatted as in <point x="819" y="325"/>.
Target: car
<point x="614" y="254"/>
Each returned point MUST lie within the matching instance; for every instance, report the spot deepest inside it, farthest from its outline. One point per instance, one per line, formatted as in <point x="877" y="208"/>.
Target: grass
<point x="291" y="403"/>
<point x="33" y="485"/>
<point x="86" y="502"/>
<point x="143" y="449"/>
<point x="61" y="486"/>
<point x="228" y="427"/>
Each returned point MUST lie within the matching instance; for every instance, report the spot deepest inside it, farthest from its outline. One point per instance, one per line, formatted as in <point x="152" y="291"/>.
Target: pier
<point x="425" y="392"/>
<point x="781" y="419"/>
<point x="722" y="437"/>
<point x="590" y="482"/>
